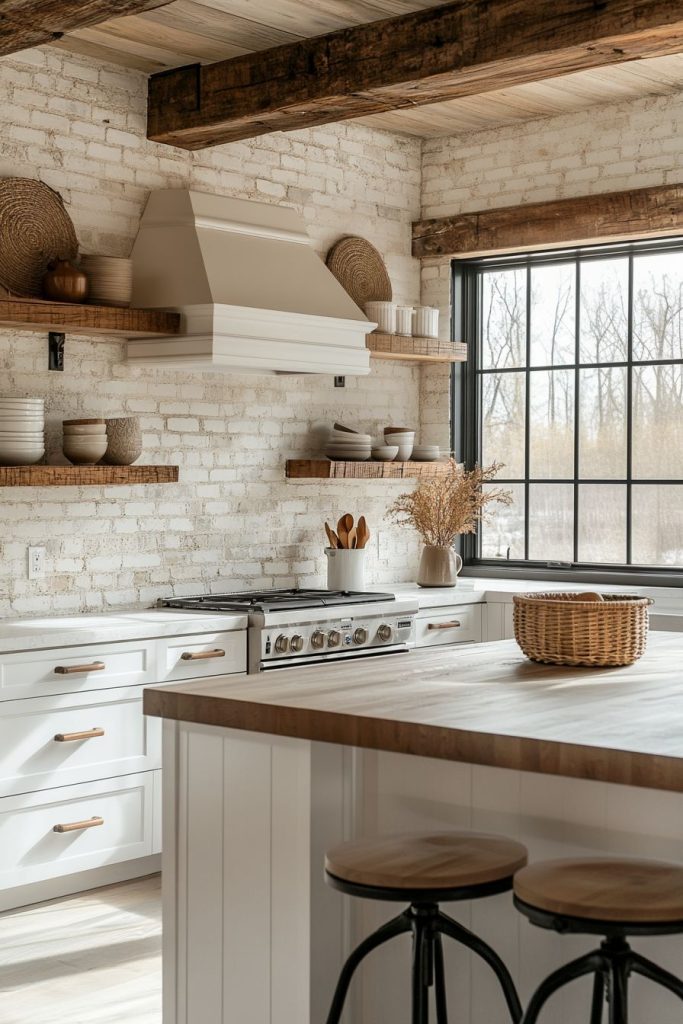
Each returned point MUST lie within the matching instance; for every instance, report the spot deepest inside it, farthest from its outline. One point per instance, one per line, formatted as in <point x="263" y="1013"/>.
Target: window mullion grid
<point x="629" y="418"/>
<point x="577" y="406"/>
<point x="527" y="414"/>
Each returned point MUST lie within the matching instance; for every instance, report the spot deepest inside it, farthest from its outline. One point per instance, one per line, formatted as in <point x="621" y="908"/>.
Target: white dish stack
<point x="348" y="446"/>
<point x="22" y="431"/>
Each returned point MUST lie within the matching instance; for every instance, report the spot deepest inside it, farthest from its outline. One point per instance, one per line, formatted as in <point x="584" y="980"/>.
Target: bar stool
<point x="424" y="870"/>
<point x="610" y="897"/>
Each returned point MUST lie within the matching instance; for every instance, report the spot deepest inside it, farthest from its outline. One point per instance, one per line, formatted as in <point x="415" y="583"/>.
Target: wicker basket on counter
<point x="581" y="629"/>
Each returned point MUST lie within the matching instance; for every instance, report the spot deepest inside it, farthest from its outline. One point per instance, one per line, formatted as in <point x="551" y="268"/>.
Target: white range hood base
<point x="219" y="337"/>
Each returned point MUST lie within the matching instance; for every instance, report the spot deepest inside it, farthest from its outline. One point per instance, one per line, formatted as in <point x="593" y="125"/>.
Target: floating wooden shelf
<point x="35" y="314"/>
<point x="418" y="350"/>
<point x="323" y="469"/>
<point x="84" y="476"/>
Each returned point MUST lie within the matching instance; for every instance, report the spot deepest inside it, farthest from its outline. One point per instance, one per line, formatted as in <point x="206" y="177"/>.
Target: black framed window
<point x="575" y="382"/>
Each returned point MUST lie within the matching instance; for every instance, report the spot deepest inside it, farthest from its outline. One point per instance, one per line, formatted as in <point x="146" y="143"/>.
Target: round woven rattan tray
<point x="360" y="269"/>
<point x="34" y="229"/>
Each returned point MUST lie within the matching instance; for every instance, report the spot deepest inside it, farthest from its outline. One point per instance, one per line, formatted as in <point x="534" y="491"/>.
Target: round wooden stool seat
<point x="605" y="889"/>
<point x="434" y="861"/>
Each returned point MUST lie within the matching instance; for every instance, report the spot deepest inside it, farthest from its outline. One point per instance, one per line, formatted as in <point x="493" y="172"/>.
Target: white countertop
<point x="24" y="634"/>
<point x="56" y="631"/>
<point x="474" y="590"/>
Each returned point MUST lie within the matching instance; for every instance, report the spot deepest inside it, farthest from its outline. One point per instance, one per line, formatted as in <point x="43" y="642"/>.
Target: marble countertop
<point x="74" y="630"/>
<point x="480" y="704"/>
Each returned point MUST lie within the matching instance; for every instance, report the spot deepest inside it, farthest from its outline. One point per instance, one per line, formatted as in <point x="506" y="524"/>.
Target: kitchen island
<point x="263" y="772"/>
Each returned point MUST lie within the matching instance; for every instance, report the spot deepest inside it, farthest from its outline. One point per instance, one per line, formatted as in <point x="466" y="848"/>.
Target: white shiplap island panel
<point x="263" y="772"/>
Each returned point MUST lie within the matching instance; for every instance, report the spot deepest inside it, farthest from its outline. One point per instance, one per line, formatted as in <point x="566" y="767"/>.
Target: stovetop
<point x="275" y="600"/>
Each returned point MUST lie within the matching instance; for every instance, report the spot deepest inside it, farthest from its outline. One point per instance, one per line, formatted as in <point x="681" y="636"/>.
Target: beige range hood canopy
<point x="252" y="292"/>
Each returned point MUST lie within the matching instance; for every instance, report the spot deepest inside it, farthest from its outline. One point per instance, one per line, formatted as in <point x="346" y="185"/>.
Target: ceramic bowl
<point x="83" y="432"/>
<point x="85" y="451"/>
<point x="385" y="453"/>
<point x="404" y="442"/>
<point x="28" y="437"/>
<point x="12" y="457"/>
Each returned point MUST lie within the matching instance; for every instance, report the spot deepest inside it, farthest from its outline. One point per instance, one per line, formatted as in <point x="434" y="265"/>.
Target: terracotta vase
<point x="439" y="567"/>
<point x="65" y="283"/>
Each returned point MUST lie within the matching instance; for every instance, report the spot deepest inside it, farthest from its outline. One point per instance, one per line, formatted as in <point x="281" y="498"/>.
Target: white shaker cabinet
<point x="80" y="765"/>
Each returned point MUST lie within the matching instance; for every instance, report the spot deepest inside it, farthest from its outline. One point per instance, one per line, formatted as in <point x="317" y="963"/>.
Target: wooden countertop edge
<point x="518" y="753"/>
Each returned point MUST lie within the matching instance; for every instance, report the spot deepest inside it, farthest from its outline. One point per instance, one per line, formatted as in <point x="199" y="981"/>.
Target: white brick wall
<point x="617" y="146"/>
<point x="233" y="520"/>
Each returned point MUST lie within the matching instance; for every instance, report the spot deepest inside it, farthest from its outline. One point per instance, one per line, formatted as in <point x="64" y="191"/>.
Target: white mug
<point x="426" y="322"/>
<point x="404" y="320"/>
<point x="383" y="314"/>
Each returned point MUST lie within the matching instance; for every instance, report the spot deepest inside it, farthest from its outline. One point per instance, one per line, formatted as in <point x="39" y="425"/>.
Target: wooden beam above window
<point x="606" y="217"/>
<point x="26" y="23"/>
<point x="461" y="48"/>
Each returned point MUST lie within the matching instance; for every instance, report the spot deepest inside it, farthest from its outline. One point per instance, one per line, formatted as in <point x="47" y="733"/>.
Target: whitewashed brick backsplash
<point x="232" y="521"/>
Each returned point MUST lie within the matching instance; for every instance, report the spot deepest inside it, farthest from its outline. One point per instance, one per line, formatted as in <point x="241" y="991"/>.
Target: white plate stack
<point x="22" y="431"/>
<point x="347" y="446"/>
<point x="110" y="279"/>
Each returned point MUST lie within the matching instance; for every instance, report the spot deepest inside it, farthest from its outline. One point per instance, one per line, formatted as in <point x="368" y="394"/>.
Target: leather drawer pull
<point x="78" y="826"/>
<point x="72" y="670"/>
<point x="444" y="625"/>
<point x="71" y="737"/>
<point x="202" y="655"/>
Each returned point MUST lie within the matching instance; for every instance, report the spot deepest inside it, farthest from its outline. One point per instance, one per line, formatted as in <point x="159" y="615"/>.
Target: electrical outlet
<point x="36" y="563"/>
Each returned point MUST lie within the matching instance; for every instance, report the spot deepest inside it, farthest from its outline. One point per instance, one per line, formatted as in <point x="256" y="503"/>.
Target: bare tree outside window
<point x="578" y="391"/>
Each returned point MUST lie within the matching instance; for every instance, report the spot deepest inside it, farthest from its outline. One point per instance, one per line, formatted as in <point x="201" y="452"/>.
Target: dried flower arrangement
<point x="442" y="507"/>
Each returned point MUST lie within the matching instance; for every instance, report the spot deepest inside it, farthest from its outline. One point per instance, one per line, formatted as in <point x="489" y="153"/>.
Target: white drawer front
<point x="31" y="851"/>
<point x="456" y="625"/>
<point x="205" y="654"/>
<point x="35" y="673"/>
<point x="31" y="758"/>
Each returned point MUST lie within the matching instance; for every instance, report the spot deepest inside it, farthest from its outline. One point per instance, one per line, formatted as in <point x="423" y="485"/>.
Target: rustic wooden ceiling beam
<point x="458" y="49"/>
<point x="26" y="23"/>
<point x="608" y="216"/>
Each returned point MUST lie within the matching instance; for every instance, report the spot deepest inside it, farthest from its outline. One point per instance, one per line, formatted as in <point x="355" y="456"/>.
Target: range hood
<point x="252" y="292"/>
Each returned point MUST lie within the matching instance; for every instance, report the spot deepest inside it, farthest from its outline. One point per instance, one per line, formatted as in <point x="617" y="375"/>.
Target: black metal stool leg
<point x="397" y="926"/>
<point x="421" y="953"/>
<point x="598" y="1004"/>
<point x="586" y="964"/>
<point x="618" y="991"/>
<point x="440" y="982"/>
<point x="456" y="931"/>
<point x="657" y="974"/>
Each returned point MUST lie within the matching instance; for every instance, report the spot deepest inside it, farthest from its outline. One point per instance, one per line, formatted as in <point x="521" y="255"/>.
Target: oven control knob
<point x="297" y="643"/>
<point x="360" y="635"/>
<point x="317" y="640"/>
<point x="282" y="644"/>
<point x="334" y="638"/>
<point x="384" y="632"/>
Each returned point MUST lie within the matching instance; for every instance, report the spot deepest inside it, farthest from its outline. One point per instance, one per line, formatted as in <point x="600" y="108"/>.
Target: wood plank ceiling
<point x="204" y="31"/>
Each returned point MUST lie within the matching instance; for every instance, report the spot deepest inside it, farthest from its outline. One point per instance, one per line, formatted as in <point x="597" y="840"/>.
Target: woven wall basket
<point x="578" y="629"/>
<point x="360" y="269"/>
<point x="34" y="229"/>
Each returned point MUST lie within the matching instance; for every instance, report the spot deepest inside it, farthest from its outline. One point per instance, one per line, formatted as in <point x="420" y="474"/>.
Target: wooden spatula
<point x="332" y="537"/>
<point x="353" y="537"/>
<point x="343" y="526"/>
<point x="362" y="533"/>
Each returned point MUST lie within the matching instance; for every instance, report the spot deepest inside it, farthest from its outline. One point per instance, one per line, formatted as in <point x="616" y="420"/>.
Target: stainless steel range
<point x="306" y="627"/>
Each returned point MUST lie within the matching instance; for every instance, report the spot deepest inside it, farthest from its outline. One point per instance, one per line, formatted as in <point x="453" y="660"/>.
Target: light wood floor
<point x="94" y="958"/>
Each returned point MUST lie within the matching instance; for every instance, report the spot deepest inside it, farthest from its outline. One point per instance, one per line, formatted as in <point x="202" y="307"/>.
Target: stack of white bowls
<point x="401" y="437"/>
<point x="426" y="453"/>
<point x="347" y="446"/>
<point x="85" y="441"/>
<point x="22" y="431"/>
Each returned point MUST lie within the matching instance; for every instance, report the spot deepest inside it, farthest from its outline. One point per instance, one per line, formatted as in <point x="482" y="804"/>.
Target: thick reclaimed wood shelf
<point x="85" y="476"/>
<point x="323" y="469"/>
<point x="417" y="350"/>
<point x="36" y="314"/>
